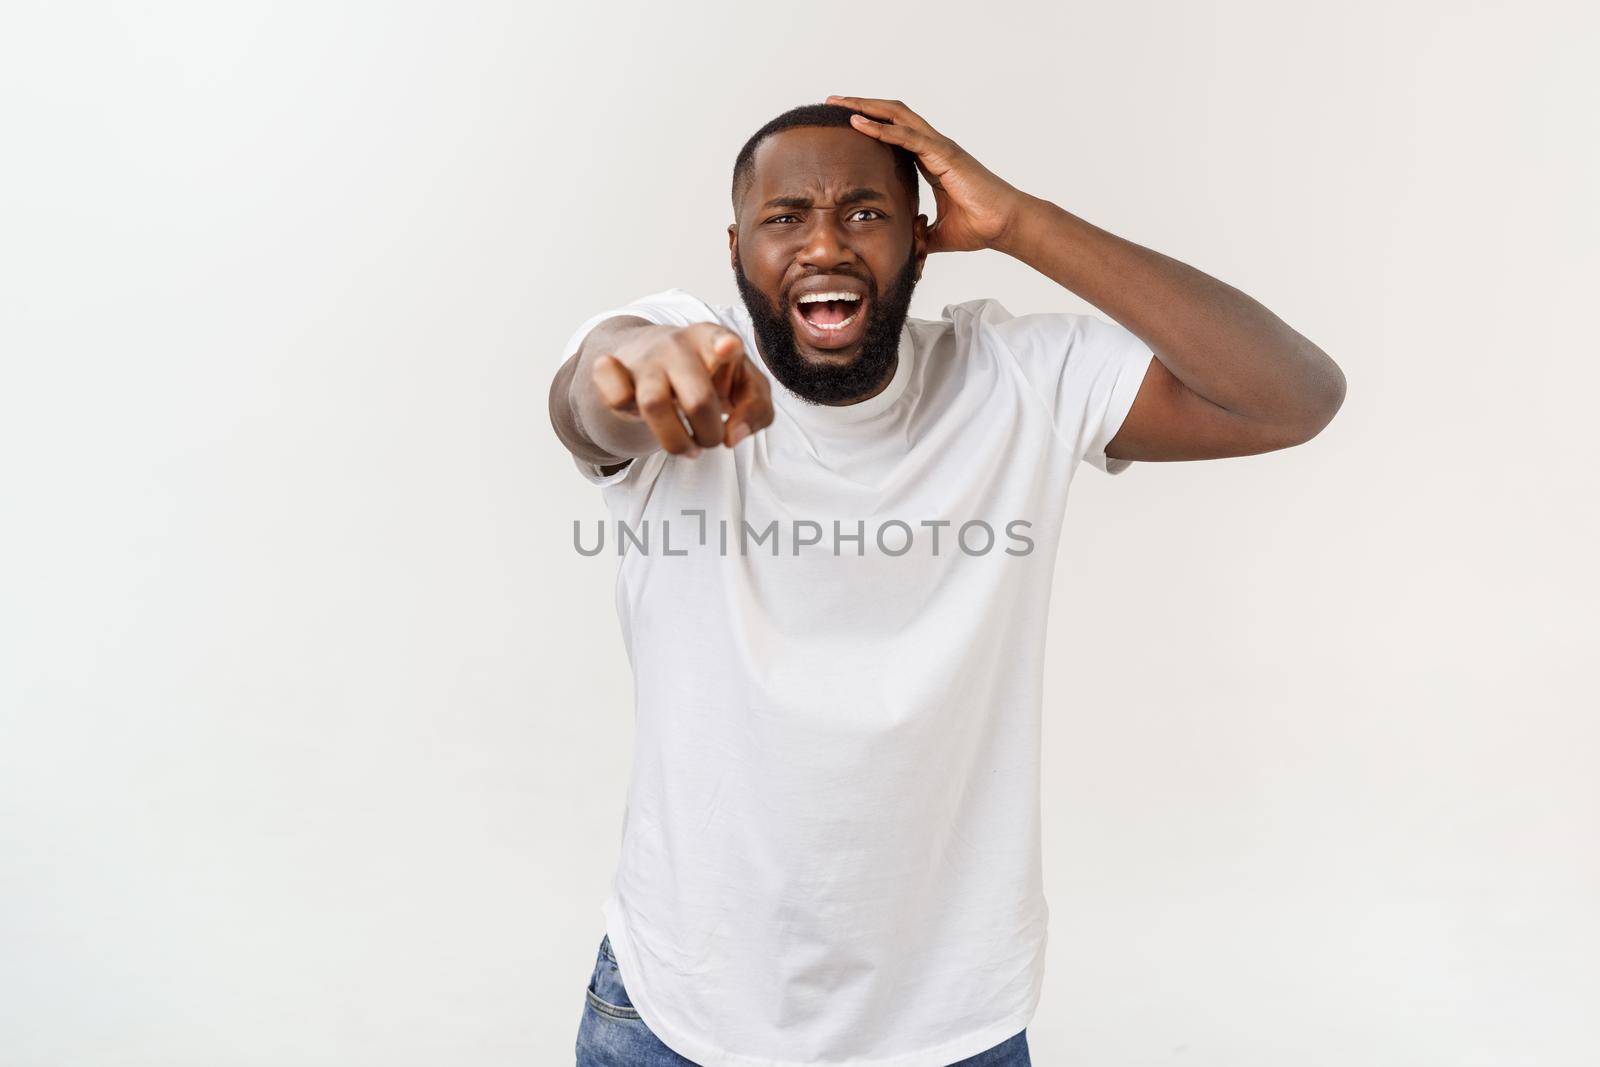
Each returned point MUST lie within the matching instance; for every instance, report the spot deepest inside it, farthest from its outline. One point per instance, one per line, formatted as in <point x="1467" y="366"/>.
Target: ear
<point x="919" y="242"/>
<point x="733" y="245"/>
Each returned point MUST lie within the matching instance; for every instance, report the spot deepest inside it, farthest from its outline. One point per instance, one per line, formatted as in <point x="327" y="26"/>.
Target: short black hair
<point x="905" y="162"/>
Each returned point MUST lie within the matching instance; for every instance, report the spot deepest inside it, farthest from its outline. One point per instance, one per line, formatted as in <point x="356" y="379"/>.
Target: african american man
<point x="836" y="528"/>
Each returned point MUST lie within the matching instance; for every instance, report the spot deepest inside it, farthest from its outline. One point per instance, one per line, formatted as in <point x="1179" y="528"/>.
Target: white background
<point x="314" y="729"/>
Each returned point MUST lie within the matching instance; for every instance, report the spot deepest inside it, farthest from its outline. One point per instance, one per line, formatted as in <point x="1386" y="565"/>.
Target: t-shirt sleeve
<point x="673" y="307"/>
<point x="1087" y="371"/>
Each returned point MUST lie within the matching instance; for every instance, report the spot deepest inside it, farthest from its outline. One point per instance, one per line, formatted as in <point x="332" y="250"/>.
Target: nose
<point x="826" y="244"/>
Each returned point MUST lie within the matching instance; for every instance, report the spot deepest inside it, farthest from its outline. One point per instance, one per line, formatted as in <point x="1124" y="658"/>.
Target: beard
<point x="827" y="383"/>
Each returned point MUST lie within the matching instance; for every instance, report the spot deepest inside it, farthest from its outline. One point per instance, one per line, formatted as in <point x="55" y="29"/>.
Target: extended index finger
<point x="720" y="350"/>
<point x="723" y="358"/>
<point x="752" y="404"/>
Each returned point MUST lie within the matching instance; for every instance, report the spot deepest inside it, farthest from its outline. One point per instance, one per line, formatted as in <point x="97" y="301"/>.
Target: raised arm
<point x="1230" y="378"/>
<point x="635" y="386"/>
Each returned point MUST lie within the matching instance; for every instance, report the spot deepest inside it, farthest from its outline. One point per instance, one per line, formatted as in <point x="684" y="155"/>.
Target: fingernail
<point x="738" y="433"/>
<point x="694" y="452"/>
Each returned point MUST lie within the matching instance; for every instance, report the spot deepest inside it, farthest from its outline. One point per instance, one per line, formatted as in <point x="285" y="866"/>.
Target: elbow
<point x="1321" y="403"/>
<point x="1305" y="412"/>
<point x="1331" y="396"/>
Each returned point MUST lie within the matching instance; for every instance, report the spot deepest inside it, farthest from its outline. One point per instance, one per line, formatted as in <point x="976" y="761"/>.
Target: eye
<point x="868" y="211"/>
<point x="780" y="218"/>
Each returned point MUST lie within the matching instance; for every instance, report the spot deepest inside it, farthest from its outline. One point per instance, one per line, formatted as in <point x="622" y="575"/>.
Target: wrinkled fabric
<point x="830" y="847"/>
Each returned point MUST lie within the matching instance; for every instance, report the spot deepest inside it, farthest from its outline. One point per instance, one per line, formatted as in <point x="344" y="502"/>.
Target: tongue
<point x="827" y="312"/>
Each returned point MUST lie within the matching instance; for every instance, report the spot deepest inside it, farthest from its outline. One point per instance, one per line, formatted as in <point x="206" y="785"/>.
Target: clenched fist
<point x="701" y="370"/>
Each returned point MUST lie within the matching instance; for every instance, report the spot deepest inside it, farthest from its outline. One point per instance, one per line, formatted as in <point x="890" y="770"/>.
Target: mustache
<point x="864" y="279"/>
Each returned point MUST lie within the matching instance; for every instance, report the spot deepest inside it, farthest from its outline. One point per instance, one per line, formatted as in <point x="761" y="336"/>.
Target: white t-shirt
<point x="830" y="852"/>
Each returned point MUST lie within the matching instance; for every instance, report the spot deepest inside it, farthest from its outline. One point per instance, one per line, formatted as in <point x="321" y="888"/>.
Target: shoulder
<point x="986" y="321"/>
<point x="669" y="307"/>
<point x="677" y="307"/>
<point x="969" y="329"/>
<point x="967" y="315"/>
<point x="969" y="310"/>
<point x="987" y="326"/>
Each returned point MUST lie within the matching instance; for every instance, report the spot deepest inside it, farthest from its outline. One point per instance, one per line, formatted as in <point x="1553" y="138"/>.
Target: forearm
<point x="586" y="426"/>
<point x="1218" y="341"/>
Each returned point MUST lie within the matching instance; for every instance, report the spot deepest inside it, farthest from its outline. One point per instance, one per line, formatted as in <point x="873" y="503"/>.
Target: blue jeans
<point x="612" y="1034"/>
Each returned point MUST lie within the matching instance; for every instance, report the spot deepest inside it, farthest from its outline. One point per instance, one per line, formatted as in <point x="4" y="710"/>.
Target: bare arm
<point x="1229" y="379"/>
<point x="625" y="439"/>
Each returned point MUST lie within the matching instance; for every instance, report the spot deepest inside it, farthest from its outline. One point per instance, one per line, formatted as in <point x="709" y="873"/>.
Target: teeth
<point x="812" y="298"/>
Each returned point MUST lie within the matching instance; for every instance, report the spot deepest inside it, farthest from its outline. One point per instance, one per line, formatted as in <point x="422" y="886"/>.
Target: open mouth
<point x="831" y="319"/>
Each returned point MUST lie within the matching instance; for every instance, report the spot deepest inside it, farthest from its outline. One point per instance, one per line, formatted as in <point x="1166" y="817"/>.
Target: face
<point x="826" y="251"/>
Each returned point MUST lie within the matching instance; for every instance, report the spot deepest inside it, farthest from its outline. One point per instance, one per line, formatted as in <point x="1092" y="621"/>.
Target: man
<point x="839" y="527"/>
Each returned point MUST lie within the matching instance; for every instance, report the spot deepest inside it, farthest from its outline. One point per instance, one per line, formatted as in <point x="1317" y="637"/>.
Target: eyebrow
<point x="854" y="196"/>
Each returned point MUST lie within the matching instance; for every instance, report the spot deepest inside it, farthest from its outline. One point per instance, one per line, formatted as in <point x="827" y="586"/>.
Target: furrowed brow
<point x="854" y="196"/>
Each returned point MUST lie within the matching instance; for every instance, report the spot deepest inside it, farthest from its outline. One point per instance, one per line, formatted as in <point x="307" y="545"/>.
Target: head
<point x="820" y="208"/>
